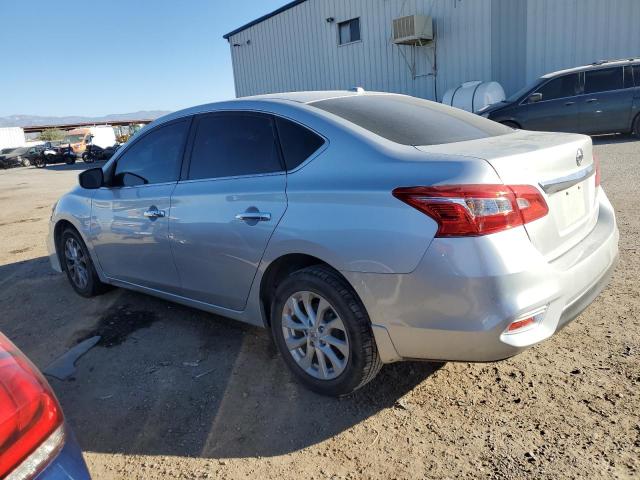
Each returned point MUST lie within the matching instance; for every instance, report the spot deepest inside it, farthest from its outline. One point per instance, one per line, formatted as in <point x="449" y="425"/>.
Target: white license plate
<point x="570" y="206"/>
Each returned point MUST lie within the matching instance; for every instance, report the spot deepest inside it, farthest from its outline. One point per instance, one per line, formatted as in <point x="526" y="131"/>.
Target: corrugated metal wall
<point x="298" y="49"/>
<point x="511" y="41"/>
<point x="508" y="43"/>
<point x="568" y="33"/>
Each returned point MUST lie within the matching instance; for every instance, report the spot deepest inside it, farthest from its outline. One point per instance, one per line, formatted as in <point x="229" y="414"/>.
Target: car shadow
<point x="170" y="380"/>
<point x="614" y="138"/>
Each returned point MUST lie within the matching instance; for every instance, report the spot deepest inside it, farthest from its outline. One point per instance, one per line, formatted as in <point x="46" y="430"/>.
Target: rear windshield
<point x="410" y="120"/>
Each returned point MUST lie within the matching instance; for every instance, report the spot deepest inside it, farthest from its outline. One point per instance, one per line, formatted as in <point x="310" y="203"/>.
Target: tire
<point x="507" y="123"/>
<point x="40" y="162"/>
<point x="343" y="332"/>
<point x="86" y="158"/>
<point x="26" y="162"/>
<point x="74" y="258"/>
<point x="636" y="127"/>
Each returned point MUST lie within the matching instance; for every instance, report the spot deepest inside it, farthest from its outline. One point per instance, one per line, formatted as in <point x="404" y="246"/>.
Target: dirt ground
<point x="175" y="393"/>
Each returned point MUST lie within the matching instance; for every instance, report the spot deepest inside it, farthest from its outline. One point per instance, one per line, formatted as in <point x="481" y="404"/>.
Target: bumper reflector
<point x="526" y="322"/>
<point x="520" y="324"/>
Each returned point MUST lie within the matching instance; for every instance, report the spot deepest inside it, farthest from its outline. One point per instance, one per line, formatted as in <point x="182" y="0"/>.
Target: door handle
<point x="253" y="216"/>
<point x="154" y="213"/>
<point x="591" y="100"/>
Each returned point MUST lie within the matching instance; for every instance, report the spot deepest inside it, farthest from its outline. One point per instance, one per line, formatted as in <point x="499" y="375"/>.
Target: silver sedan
<point x="361" y="228"/>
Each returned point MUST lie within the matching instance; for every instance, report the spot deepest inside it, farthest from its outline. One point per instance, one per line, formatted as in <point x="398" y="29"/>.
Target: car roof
<point x="305" y="97"/>
<point x="314" y="96"/>
<point x="594" y="66"/>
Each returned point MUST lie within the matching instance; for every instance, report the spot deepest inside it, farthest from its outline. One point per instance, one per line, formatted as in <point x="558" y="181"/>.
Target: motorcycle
<point x="51" y="154"/>
<point x="94" y="152"/>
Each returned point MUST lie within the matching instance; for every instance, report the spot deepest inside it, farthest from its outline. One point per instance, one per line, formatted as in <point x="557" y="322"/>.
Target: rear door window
<point x="636" y="74"/>
<point x="232" y="144"/>
<point x="154" y="158"/>
<point x="603" y="80"/>
<point x="298" y="143"/>
<point x="628" y="76"/>
<point x="561" y="87"/>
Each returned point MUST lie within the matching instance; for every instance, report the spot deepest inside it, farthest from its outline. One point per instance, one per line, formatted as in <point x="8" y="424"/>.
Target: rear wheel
<point x="78" y="266"/>
<point x="636" y="126"/>
<point x="40" y="162"/>
<point x="323" y="332"/>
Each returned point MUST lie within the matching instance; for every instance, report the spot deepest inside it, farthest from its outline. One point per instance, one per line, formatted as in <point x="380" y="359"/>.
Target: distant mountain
<point x="29" y="120"/>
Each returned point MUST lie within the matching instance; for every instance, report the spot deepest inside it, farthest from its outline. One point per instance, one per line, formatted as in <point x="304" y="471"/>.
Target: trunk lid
<point x="552" y="163"/>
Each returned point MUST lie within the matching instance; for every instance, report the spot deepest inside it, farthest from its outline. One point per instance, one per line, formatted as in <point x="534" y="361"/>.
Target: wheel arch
<point x="60" y="227"/>
<point x="279" y="269"/>
<point x="511" y="123"/>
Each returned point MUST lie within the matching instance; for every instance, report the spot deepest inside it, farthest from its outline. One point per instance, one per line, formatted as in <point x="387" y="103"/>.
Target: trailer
<point x="12" y="137"/>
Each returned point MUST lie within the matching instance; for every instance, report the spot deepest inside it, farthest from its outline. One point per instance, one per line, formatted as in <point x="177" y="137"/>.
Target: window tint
<point x="411" y="121"/>
<point x="155" y="158"/>
<point x="561" y="87"/>
<point x="636" y="74"/>
<point x="230" y="144"/>
<point x="349" y="31"/>
<point x="603" y="80"/>
<point x="298" y="142"/>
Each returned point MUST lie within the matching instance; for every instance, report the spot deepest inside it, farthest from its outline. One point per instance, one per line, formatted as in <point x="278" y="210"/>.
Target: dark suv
<point x="600" y="98"/>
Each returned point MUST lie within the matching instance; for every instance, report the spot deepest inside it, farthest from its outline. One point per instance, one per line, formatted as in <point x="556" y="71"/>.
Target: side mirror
<point x="91" y="179"/>
<point x="535" y="97"/>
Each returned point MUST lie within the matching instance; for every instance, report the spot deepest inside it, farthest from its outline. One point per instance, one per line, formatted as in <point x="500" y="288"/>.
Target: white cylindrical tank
<point x="473" y="96"/>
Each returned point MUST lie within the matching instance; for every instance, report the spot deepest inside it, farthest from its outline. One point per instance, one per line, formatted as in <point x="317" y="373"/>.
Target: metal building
<point x="338" y="44"/>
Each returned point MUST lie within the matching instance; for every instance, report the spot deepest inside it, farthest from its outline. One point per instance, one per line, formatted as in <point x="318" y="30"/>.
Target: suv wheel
<point x="636" y="126"/>
<point x="323" y="332"/>
<point x="78" y="266"/>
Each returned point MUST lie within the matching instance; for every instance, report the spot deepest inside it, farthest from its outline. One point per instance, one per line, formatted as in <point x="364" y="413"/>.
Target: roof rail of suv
<point x="630" y="59"/>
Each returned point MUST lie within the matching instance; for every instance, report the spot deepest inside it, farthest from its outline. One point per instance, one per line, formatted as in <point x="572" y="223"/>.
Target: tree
<point x="51" y="135"/>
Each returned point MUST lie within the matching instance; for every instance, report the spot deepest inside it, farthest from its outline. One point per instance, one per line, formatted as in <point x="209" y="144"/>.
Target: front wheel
<point x="86" y="158"/>
<point x="323" y="332"/>
<point x="40" y="162"/>
<point x="78" y="266"/>
<point x="511" y="124"/>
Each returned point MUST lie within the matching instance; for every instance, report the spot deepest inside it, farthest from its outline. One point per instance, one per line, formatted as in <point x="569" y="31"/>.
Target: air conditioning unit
<point x="412" y="30"/>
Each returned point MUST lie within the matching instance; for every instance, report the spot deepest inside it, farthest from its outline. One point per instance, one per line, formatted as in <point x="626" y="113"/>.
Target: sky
<point x="72" y="57"/>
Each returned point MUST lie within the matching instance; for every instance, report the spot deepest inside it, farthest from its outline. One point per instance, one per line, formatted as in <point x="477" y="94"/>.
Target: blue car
<point x="600" y="98"/>
<point x="35" y="441"/>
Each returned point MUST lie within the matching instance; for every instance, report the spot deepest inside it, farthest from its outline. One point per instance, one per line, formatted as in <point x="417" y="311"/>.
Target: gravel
<point x="177" y="393"/>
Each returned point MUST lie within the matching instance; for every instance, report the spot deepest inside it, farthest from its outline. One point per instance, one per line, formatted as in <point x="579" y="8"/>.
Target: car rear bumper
<point x="460" y="300"/>
<point x="68" y="464"/>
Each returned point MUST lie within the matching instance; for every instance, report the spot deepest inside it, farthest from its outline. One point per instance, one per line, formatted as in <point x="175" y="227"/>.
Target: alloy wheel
<point x="76" y="262"/>
<point x="315" y="335"/>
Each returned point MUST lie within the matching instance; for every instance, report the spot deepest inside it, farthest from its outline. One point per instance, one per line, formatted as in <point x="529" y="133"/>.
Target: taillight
<point x="29" y="415"/>
<point x="596" y="161"/>
<point x="473" y="210"/>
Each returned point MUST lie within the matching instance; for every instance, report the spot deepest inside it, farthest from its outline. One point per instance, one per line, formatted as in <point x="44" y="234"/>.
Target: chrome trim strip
<point x="562" y="183"/>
